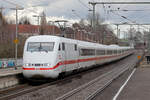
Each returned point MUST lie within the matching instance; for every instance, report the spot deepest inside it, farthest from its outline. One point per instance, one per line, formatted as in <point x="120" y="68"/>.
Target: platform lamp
<point x="16" y="40"/>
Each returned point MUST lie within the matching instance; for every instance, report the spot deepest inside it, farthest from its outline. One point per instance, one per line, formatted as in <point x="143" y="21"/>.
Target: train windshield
<point x="40" y="46"/>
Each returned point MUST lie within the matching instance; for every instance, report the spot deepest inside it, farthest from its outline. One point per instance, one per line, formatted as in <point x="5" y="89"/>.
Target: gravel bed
<point x="54" y="91"/>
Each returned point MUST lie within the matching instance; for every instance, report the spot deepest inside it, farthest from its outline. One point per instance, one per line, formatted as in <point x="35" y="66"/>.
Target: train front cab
<point x="40" y="59"/>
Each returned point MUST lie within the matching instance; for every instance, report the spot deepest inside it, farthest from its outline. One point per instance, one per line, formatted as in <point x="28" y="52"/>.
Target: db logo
<point x="37" y="68"/>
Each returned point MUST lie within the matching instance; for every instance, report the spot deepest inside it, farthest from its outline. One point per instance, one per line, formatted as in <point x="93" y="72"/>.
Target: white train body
<point x="48" y="56"/>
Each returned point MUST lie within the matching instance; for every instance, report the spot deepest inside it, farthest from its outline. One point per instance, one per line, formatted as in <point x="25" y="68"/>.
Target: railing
<point x="10" y="62"/>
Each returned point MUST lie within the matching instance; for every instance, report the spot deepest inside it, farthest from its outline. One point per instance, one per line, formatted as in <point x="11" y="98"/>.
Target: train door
<point x="71" y="56"/>
<point x="76" y="56"/>
<point x="63" y="56"/>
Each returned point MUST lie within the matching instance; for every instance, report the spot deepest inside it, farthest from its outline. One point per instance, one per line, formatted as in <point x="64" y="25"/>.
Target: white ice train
<point x="48" y="56"/>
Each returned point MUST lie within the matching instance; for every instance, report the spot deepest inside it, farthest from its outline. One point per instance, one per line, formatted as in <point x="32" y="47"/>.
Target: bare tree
<point x="24" y="20"/>
<point x="2" y="19"/>
<point x="6" y="35"/>
<point x="11" y="21"/>
<point x="2" y="28"/>
<point x="81" y="22"/>
<point x="90" y="18"/>
<point x="98" y="19"/>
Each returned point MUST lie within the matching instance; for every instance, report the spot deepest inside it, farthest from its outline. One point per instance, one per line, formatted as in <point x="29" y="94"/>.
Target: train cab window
<point x="75" y="47"/>
<point x="63" y="46"/>
<point x="40" y="46"/>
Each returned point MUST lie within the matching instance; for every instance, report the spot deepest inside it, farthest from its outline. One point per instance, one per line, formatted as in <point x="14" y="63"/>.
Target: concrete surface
<point x="10" y="71"/>
<point x="138" y="88"/>
<point x="10" y="77"/>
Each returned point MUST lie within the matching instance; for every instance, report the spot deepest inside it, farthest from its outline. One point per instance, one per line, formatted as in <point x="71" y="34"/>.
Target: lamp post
<point x="16" y="40"/>
<point x="52" y="26"/>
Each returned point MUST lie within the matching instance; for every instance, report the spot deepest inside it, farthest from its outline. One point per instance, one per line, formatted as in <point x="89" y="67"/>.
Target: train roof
<point x="47" y="38"/>
<point x="42" y="38"/>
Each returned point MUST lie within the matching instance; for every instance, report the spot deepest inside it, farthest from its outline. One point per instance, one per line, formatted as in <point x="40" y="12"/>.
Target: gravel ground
<point x="54" y="91"/>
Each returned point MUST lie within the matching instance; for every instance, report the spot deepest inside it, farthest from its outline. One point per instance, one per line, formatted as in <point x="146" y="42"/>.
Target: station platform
<point x="10" y="77"/>
<point x="138" y="87"/>
<point x="10" y="71"/>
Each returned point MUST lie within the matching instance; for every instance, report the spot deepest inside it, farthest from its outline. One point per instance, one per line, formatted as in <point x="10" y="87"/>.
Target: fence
<point x="4" y="63"/>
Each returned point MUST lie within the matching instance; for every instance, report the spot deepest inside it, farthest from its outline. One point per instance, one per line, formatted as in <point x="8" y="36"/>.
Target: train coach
<point x="48" y="56"/>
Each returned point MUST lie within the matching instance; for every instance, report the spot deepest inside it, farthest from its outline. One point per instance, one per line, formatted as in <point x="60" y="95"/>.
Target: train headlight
<point x="48" y="64"/>
<point x="26" y="64"/>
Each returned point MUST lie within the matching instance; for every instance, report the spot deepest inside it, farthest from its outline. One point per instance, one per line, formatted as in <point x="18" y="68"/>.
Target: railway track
<point x="13" y="92"/>
<point x="89" y="90"/>
<point x="26" y="88"/>
<point x="19" y="90"/>
<point x="6" y="94"/>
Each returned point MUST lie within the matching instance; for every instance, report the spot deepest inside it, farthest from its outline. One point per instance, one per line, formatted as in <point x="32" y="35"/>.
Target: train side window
<point x="59" y="48"/>
<point x="63" y="46"/>
<point x="109" y="52"/>
<point x="100" y="52"/>
<point x="87" y="52"/>
<point x="75" y="47"/>
<point x="115" y="51"/>
<point x="120" y="51"/>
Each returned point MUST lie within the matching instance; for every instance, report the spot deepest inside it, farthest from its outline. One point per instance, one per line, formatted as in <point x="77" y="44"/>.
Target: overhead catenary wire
<point x="134" y="10"/>
<point x="16" y="5"/>
<point x="28" y="8"/>
<point x="129" y="20"/>
<point x="131" y="3"/>
<point x="74" y="12"/>
<point x="84" y="4"/>
<point x="127" y="10"/>
<point x="105" y="11"/>
<point x="123" y="17"/>
<point x="108" y="13"/>
<point x="145" y="15"/>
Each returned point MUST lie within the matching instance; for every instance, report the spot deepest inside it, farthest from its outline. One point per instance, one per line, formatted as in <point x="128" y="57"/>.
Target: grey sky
<point x="64" y="8"/>
<point x="59" y="8"/>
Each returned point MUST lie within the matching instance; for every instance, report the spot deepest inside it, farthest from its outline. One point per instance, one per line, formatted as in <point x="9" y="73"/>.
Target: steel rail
<point x="107" y="84"/>
<point x="23" y="91"/>
<point x="81" y="88"/>
<point x="13" y="92"/>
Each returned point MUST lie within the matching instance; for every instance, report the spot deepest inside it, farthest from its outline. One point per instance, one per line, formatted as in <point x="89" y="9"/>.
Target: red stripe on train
<point x="42" y="68"/>
<point x="70" y="62"/>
